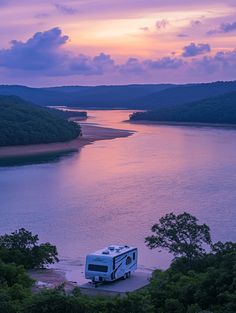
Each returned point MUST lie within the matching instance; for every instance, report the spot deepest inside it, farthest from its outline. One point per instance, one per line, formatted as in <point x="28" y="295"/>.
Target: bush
<point x="21" y="248"/>
<point x="209" y="285"/>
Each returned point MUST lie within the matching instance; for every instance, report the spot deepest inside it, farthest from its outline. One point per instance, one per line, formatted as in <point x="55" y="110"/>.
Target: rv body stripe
<point x="121" y="259"/>
<point x="129" y="251"/>
<point x="117" y="268"/>
<point x="116" y="258"/>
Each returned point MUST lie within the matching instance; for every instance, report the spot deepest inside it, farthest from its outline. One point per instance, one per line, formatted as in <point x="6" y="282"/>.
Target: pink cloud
<point x="44" y="55"/>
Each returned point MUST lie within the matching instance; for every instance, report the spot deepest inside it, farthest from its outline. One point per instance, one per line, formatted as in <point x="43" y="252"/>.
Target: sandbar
<point x="90" y="133"/>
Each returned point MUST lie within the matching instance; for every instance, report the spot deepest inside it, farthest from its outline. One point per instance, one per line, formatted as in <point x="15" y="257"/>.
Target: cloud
<point x="104" y="62"/>
<point x="81" y="65"/>
<point x="41" y="15"/>
<point x="195" y="49"/>
<point x="145" y="29"/>
<point x="85" y="65"/>
<point x="224" y="28"/>
<point x="182" y="35"/>
<point x="136" y="66"/>
<point x="66" y="9"/>
<point x="133" y="66"/>
<point x="161" y="24"/>
<point x="44" y="52"/>
<point x="164" y="63"/>
<point x="228" y="27"/>
<point x="220" y="62"/>
<point x="45" y="55"/>
<point x="195" y="23"/>
<point x="37" y="53"/>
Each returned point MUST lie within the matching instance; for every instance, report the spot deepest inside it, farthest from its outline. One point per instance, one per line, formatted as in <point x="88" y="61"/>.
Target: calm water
<point x="113" y="191"/>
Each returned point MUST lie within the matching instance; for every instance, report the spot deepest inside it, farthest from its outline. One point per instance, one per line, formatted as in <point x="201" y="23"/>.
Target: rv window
<point x="134" y="256"/>
<point x="128" y="260"/>
<point x="97" y="268"/>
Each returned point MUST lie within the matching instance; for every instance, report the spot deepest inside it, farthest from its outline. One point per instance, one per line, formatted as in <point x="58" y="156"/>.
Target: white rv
<point x="111" y="263"/>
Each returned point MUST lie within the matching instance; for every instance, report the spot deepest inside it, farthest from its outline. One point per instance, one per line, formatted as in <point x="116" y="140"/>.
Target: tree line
<point x="217" y="110"/>
<point x="22" y="123"/>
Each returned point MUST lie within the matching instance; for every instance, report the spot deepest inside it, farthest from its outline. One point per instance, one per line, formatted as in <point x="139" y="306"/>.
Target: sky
<point x="94" y="42"/>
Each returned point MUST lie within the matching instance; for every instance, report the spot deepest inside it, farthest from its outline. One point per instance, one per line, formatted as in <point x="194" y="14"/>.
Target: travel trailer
<point x="111" y="263"/>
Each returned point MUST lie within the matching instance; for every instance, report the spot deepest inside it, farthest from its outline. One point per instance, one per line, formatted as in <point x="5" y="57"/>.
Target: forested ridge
<point x="135" y="96"/>
<point x="23" y="123"/>
<point x="217" y="110"/>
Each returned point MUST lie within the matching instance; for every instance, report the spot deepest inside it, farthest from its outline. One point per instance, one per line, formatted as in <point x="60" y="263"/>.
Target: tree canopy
<point x="138" y="96"/>
<point x="180" y="234"/>
<point x="217" y="110"/>
<point x="22" y="123"/>
<point x="22" y="248"/>
<point x="208" y="287"/>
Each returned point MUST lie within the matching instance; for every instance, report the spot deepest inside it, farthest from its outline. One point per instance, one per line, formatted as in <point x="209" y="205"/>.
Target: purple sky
<point x="91" y="42"/>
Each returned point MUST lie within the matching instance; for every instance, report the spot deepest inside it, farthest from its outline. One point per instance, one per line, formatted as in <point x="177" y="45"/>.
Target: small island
<point x="219" y="110"/>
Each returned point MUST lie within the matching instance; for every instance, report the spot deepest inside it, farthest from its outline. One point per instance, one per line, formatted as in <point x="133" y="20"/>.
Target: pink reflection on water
<point x="113" y="191"/>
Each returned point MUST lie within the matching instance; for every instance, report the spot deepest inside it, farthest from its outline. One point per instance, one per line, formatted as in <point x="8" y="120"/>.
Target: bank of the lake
<point x="190" y="124"/>
<point x="90" y="133"/>
<point x="50" y="278"/>
<point x="23" y="123"/>
<point x="112" y="191"/>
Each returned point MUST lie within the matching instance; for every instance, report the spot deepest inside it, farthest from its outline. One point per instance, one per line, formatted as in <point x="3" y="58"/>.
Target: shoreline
<point x="91" y="133"/>
<point x="50" y="278"/>
<point x="192" y="124"/>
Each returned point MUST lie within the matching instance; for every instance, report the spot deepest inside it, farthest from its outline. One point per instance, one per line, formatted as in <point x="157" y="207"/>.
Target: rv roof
<point x="112" y="250"/>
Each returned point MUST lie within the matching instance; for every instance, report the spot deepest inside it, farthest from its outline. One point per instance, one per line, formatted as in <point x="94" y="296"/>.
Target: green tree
<point x="209" y="286"/>
<point x="181" y="235"/>
<point x="15" y="287"/>
<point x="22" y="248"/>
<point x="223" y="248"/>
<point x="23" y="123"/>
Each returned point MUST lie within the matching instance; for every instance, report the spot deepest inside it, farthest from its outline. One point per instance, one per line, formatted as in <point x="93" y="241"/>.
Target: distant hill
<point x="83" y="96"/>
<point x="185" y="94"/>
<point x="108" y="96"/>
<point x="22" y="123"/>
<point x="219" y="110"/>
<point x="36" y="95"/>
<point x="123" y="96"/>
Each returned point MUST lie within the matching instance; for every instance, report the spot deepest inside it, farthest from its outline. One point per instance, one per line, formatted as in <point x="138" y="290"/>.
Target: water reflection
<point x="34" y="159"/>
<point x="113" y="191"/>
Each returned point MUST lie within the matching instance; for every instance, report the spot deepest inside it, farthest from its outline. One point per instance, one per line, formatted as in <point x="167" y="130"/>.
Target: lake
<point x="113" y="191"/>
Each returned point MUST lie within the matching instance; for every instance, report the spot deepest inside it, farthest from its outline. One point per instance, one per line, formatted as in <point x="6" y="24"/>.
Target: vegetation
<point x="218" y="110"/>
<point x="180" y="235"/>
<point x="83" y="96"/>
<point x="22" y="123"/>
<point x="68" y="114"/>
<point x="188" y="93"/>
<point x="22" y="248"/>
<point x="209" y="286"/>
<point x="15" y="288"/>
<point x="196" y="281"/>
<point x="20" y="251"/>
<point x="149" y="96"/>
